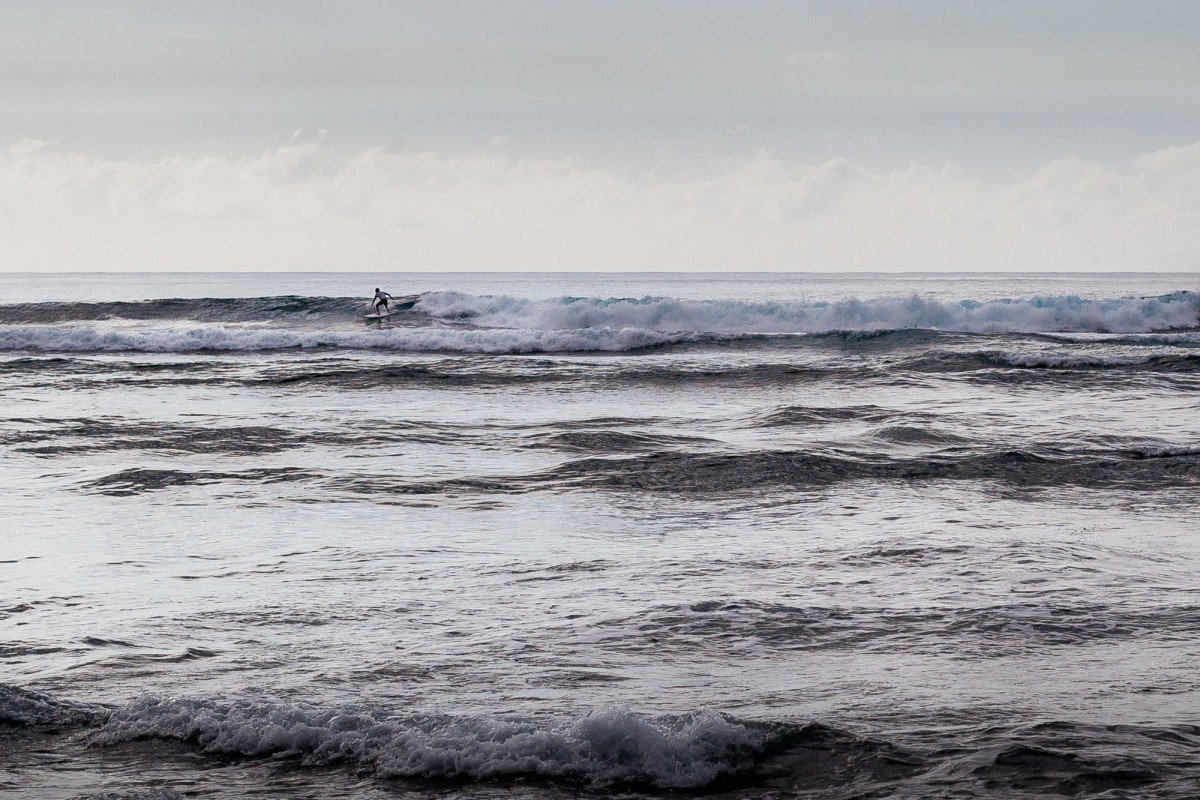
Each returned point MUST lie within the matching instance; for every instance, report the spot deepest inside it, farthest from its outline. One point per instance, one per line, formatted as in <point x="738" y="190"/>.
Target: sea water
<point x="579" y="535"/>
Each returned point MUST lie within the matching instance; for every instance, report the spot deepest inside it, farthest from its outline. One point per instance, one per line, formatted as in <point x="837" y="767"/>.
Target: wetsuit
<point x="380" y="301"/>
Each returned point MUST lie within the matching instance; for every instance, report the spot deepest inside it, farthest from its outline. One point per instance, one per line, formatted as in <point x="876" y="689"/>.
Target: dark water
<point x="769" y="537"/>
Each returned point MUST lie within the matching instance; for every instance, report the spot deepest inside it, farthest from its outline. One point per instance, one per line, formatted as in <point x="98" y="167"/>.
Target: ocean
<point x="568" y="536"/>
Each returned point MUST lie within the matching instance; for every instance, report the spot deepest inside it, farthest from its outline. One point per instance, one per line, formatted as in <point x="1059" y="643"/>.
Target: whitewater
<point x="505" y="324"/>
<point x="562" y="536"/>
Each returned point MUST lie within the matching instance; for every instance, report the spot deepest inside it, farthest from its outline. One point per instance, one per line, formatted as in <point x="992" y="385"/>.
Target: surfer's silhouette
<point x="380" y="304"/>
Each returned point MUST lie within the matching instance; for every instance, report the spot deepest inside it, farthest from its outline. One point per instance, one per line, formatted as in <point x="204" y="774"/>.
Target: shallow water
<point x="787" y="536"/>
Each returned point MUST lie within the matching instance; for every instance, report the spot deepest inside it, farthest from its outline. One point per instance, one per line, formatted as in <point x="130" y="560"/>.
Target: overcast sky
<point x="361" y="134"/>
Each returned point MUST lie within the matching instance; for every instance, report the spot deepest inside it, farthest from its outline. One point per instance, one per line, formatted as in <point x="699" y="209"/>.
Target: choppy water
<point x="562" y="536"/>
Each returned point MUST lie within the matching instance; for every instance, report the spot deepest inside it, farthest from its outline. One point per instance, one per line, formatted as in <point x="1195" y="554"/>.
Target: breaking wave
<point x="614" y="749"/>
<point x="1040" y="314"/>
<point x="457" y="322"/>
<point x="186" y="338"/>
<point x="603" y="748"/>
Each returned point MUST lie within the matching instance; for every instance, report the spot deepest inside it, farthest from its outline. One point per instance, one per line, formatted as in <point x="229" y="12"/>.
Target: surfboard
<point x="379" y="316"/>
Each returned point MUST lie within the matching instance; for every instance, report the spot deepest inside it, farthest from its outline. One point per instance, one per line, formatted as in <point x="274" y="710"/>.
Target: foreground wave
<point x="602" y="748"/>
<point x="617" y="749"/>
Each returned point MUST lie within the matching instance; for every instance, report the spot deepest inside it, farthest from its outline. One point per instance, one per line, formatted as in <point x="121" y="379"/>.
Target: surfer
<point x="380" y="304"/>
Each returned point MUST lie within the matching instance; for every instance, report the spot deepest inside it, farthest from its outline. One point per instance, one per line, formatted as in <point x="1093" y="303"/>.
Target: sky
<point x="691" y="135"/>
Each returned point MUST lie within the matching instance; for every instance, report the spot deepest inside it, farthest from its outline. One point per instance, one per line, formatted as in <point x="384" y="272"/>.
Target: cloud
<point x="306" y="206"/>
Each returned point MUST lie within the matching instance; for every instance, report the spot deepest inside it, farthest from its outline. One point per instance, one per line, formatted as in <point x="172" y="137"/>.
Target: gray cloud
<point x="624" y="59"/>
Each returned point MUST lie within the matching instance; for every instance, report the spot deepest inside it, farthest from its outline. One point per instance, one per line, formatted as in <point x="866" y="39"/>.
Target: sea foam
<point x="182" y="337"/>
<point x="464" y="323"/>
<point x="602" y="748"/>
<point x="1039" y="314"/>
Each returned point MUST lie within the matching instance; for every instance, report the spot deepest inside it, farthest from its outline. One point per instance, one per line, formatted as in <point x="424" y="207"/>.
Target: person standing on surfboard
<point x="380" y="304"/>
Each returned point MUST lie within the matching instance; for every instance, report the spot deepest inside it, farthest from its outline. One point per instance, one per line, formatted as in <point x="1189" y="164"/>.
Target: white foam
<point x="189" y="337"/>
<point x="604" y="747"/>
<point x="502" y="324"/>
<point x="1040" y="314"/>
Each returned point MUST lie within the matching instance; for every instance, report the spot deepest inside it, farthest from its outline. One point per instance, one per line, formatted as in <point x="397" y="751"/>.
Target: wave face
<point x="458" y="322"/>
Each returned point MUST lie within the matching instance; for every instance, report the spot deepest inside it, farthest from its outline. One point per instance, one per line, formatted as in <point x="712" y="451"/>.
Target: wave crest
<point x="1036" y="315"/>
<point x="464" y="323"/>
<point x="186" y="338"/>
<point x="603" y="748"/>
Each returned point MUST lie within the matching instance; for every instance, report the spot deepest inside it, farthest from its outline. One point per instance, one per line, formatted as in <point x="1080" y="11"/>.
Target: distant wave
<point x="185" y="337"/>
<point x="201" y="309"/>
<point x="463" y="323"/>
<point x="1036" y="315"/>
<point x="948" y="361"/>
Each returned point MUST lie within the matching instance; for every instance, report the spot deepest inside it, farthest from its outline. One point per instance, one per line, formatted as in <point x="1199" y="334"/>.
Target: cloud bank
<point x="305" y="206"/>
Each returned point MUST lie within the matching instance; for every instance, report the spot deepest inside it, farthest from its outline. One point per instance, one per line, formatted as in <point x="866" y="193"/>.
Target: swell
<point x="692" y="473"/>
<point x="787" y="416"/>
<point x="617" y="750"/>
<point x="1177" y="370"/>
<point x="705" y="473"/>
<point x="204" y="309"/>
<point x="73" y="436"/>
<point x="452" y="373"/>
<point x="1058" y="360"/>
<point x="959" y="633"/>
